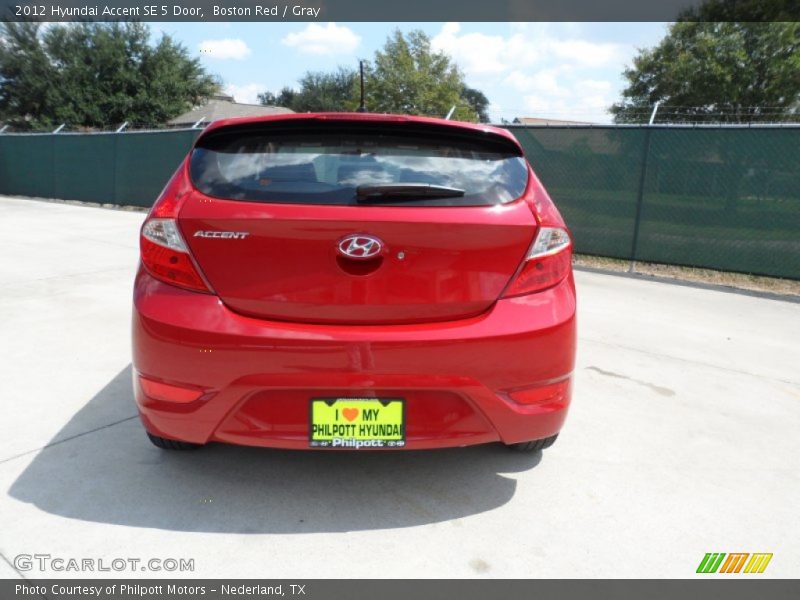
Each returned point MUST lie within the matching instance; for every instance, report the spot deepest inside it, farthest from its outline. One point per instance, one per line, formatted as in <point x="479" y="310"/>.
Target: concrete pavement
<point x="683" y="439"/>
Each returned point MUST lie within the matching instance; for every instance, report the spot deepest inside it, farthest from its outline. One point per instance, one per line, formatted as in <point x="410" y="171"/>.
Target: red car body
<point x="253" y="308"/>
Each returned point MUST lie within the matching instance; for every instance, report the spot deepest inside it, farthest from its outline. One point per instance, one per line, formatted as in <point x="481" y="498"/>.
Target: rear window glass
<point x="328" y="166"/>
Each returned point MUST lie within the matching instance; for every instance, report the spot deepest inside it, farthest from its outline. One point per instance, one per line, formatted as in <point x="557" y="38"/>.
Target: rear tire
<point x="166" y="444"/>
<point x="534" y="445"/>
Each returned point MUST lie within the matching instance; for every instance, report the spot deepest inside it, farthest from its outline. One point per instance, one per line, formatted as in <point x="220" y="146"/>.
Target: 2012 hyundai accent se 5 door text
<point x="354" y="281"/>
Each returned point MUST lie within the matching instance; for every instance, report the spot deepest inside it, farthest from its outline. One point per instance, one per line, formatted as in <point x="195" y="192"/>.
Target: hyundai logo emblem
<point x="360" y="246"/>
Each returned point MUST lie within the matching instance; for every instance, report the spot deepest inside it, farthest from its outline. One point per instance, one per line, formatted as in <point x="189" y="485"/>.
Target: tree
<point x="286" y="97"/>
<point x="319" y="92"/>
<point x="721" y="71"/>
<point x="95" y="75"/>
<point x="718" y="64"/>
<point x="267" y="99"/>
<point x="409" y="77"/>
<point x="478" y="101"/>
<point x="406" y="77"/>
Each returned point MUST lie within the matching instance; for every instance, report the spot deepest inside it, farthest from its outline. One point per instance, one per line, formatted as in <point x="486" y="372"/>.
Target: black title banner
<point x="400" y="11"/>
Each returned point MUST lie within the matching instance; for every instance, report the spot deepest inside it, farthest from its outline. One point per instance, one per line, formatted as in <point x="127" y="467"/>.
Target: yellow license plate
<point x="357" y="423"/>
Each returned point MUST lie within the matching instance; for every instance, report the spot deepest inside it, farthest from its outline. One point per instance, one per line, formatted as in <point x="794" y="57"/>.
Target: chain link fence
<point x="127" y="168"/>
<point x="722" y="197"/>
<point x="718" y="197"/>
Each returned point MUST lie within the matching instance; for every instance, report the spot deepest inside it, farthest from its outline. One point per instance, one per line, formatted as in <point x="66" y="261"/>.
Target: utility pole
<point x="362" y="106"/>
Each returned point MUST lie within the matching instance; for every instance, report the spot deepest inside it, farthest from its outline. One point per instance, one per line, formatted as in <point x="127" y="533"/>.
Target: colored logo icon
<point x="736" y="562"/>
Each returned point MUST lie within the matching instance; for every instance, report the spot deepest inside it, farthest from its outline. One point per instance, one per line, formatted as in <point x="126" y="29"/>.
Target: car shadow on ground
<point x="104" y="473"/>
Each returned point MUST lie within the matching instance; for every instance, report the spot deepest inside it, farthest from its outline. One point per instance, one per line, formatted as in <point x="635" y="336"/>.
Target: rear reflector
<point x="168" y="393"/>
<point x="554" y="393"/>
<point x="547" y="263"/>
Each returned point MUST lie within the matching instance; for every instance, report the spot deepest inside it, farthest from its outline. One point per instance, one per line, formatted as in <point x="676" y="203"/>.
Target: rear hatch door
<point x="357" y="223"/>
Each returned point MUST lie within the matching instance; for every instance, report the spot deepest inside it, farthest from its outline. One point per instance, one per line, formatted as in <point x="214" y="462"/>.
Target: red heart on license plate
<point x="350" y="413"/>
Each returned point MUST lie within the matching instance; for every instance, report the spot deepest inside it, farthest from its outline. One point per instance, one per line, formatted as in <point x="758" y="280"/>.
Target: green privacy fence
<point x="723" y="198"/>
<point x="117" y="168"/>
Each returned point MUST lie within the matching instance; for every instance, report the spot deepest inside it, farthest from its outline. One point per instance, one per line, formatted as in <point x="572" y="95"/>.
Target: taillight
<point x="164" y="252"/>
<point x="165" y="255"/>
<point x="548" y="262"/>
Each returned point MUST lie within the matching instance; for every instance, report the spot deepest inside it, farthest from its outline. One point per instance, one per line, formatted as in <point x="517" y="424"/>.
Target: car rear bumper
<point x="255" y="377"/>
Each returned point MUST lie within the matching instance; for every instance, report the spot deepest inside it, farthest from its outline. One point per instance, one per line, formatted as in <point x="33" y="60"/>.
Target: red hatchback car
<point x="354" y="281"/>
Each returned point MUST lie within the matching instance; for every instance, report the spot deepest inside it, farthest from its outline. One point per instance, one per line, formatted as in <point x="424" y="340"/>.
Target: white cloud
<point x="330" y="39"/>
<point x="595" y="85"/>
<point x="586" y="100"/>
<point x="478" y="53"/>
<point x="539" y="105"/>
<point x="226" y="49"/>
<point x="591" y="54"/>
<point x="545" y="80"/>
<point x="247" y="93"/>
<point x="539" y="69"/>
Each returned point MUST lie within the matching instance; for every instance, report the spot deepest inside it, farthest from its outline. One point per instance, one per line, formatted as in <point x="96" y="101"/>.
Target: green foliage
<point x="319" y="92"/>
<point x="409" y="77"/>
<point x="284" y="98"/>
<point x="478" y="101"/>
<point x="406" y="76"/>
<point x="724" y="71"/>
<point x="95" y="75"/>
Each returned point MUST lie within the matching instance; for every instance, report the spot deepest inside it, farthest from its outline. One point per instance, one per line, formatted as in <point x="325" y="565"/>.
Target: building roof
<point x="545" y="121"/>
<point x="223" y="107"/>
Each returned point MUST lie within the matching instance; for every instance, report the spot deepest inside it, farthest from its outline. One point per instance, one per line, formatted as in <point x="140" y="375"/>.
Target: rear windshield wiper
<point x="405" y="192"/>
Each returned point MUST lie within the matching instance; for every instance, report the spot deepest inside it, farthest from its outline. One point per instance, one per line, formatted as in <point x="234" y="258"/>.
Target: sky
<point x="570" y="71"/>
